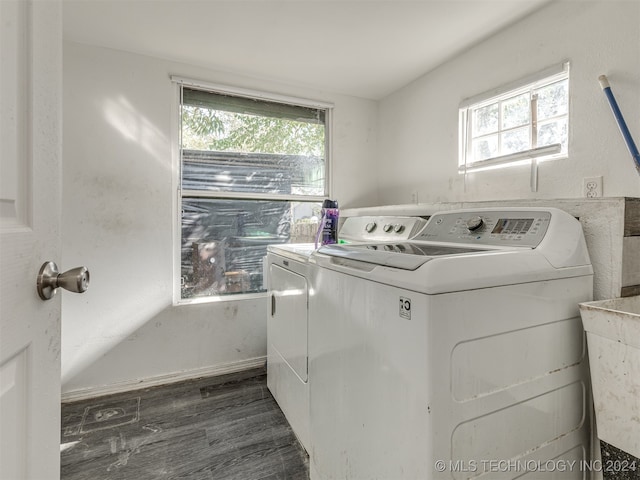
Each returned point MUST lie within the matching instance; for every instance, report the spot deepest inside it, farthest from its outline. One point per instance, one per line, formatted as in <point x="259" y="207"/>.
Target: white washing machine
<point x="287" y="321"/>
<point x="455" y="355"/>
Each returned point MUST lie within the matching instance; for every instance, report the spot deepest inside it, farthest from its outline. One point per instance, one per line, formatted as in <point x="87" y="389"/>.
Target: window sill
<point x="220" y="298"/>
<point x="541" y="154"/>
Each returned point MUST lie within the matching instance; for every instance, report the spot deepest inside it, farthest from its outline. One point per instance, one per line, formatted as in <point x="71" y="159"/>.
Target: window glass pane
<point x="500" y="125"/>
<point x="236" y="144"/>
<point x="553" y="132"/>
<point x="209" y="129"/>
<point x="224" y="241"/>
<point x="515" y="111"/>
<point x="515" y="141"/>
<point x="553" y="100"/>
<point x="242" y="145"/>
<point x="485" y="120"/>
<point x="485" y="147"/>
<point x="254" y="173"/>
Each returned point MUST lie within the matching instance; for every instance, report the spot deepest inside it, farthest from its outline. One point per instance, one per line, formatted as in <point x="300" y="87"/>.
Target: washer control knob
<point x="370" y="227"/>
<point x="398" y="228"/>
<point x="474" y="223"/>
<point x="387" y="228"/>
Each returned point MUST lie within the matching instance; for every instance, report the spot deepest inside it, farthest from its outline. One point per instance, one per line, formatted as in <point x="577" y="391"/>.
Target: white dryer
<point x="287" y="319"/>
<point x="457" y="354"/>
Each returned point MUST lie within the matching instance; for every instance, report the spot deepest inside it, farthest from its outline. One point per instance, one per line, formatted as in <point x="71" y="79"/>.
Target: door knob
<point x="50" y="279"/>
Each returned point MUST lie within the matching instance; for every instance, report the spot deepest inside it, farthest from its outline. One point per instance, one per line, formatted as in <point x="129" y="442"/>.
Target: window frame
<point x="181" y="193"/>
<point x="502" y="94"/>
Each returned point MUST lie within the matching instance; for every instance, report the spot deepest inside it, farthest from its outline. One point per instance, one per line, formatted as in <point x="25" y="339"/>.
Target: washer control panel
<point x="495" y="227"/>
<point x="382" y="228"/>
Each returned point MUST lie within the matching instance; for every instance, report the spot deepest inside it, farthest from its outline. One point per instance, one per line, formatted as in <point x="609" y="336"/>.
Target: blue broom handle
<point x="604" y="83"/>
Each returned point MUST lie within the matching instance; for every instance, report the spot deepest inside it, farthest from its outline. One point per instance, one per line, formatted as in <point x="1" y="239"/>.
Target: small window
<point x="253" y="172"/>
<point x="516" y="124"/>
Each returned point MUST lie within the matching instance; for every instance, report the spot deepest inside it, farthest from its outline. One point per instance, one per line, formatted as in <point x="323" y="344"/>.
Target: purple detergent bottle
<point x="328" y="228"/>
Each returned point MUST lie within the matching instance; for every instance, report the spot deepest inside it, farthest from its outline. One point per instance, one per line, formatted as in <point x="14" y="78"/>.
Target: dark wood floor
<point x="226" y="427"/>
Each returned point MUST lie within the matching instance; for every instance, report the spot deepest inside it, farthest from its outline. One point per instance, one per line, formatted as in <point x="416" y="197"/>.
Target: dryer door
<point x="288" y="318"/>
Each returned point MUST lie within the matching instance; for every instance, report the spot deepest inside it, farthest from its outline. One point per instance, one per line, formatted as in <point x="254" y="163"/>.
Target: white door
<point x="30" y="188"/>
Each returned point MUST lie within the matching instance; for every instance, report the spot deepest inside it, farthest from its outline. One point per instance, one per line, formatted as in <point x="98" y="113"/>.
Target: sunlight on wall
<point x="123" y="223"/>
<point x="85" y="344"/>
<point x="134" y="127"/>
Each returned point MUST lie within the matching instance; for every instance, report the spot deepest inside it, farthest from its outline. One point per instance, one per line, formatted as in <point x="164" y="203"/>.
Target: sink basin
<point x="613" y="340"/>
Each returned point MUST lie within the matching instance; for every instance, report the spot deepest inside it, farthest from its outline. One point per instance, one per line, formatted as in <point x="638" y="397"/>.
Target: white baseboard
<point x="215" y="370"/>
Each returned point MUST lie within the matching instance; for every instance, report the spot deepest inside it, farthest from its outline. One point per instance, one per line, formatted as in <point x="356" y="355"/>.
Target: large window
<point x="528" y="121"/>
<point x="253" y="173"/>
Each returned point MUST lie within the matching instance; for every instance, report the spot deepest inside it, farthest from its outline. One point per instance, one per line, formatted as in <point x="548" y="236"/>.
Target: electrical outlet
<point x="592" y="187"/>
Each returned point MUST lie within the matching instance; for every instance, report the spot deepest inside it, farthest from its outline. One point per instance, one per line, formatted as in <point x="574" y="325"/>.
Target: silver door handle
<point x="49" y="280"/>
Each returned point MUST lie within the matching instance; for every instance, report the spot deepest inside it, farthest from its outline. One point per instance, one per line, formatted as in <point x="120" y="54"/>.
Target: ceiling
<point x="362" y="48"/>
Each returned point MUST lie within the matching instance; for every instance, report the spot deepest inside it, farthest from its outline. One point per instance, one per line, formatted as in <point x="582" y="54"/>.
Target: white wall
<point x="418" y="126"/>
<point x="118" y="221"/>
